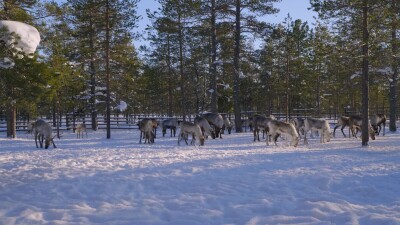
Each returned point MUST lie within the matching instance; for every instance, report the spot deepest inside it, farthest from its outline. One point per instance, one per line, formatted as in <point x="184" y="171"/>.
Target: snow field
<point x="228" y="181"/>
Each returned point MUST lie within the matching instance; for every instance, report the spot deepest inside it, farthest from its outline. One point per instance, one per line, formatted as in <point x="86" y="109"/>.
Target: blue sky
<point x="296" y="8"/>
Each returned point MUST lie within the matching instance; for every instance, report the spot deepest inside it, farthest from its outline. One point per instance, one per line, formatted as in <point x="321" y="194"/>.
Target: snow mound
<point x="20" y="36"/>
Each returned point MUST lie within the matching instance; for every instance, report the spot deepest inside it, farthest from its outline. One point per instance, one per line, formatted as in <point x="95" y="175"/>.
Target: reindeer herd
<point x="214" y="125"/>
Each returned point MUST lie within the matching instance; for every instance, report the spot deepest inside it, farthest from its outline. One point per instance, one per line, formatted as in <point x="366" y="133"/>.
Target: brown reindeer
<point x="147" y="127"/>
<point x="377" y="121"/>
<point x="342" y="121"/>
<point x="43" y="132"/>
<point x="355" y="123"/>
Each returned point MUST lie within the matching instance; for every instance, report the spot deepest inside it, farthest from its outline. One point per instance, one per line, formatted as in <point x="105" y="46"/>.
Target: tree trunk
<point x="365" y="79"/>
<point x="181" y="71"/>
<point x="236" y="73"/>
<point x="213" y="67"/>
<point x="92" y="78"/>
<point x="11" y="120"/>
<point x="393" y="82"/>
<point x="108" y="100"/>
<point x="170" y="79"/>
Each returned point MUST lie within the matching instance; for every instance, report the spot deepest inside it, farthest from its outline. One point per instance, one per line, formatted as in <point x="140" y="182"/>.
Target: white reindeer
<point x="171" y="124"/>
<point x="80" y="128"/>
<point x="193" y="129"/>
<point x="205" y="127"/>
<point x="43" y="132"/>
<point x="276" y="128"/>
<point x="298" y="124"/>
<point x="322" y="126"/>
<point x="216" y="121"/>
<point x="260" y="122"/>
<point x="228" y="125"/>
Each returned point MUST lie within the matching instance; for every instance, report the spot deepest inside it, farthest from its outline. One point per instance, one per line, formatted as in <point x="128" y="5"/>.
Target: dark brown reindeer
<point x="377" y="121"/>
<point x="342" y="121"/>
<point x="216" y="121"/>
<point x="43" y="132"/>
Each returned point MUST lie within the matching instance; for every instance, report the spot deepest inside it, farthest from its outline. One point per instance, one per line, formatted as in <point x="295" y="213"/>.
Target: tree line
<point x="201" y="57"/>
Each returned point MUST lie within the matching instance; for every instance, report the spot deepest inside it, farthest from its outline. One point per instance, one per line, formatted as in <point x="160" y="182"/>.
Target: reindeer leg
<point x="179" y="138"/>
<point x="276" y="139"/>
<point x="334" y="129"/>
<point x="140" y="139"/>
<point x="36" y="137"/>
<point x="342" y="131"/>
<point x="322" y="137"/>
<point x="384" y="128"/>
<point x="41" y="139"/>
<point x="305" y="137"/>
<point x="186" y="137"/>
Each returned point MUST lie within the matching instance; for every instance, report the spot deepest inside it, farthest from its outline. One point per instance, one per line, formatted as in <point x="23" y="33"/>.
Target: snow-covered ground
<point x="228" y="181"/>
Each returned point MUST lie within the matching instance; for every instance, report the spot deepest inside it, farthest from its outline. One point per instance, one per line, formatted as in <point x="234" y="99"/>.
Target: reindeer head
<point x="295" y="141"/>
<point x="372" y="133"/>
<point x="201" y="140"/>
<point x="48" y="141"/>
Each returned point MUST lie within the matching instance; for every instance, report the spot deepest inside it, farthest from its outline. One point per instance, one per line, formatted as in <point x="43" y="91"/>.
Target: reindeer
<point x="43" y="132"/>
<point x="30" y="127"/>
<point x="193" y="129"/>
<point x="147" y="127"/>
<point x="311" y="124"/>
<point x="355" y="123"/>
<point x="227" y="125"/>
<point x="169" y="124"/>
<point x="247" y="123"/>
<point x="216" y="121"/>
<point x="298" y="124"/>
<point x="377" y="121"/>
<point x="260" y="123"/>
<point x="276" y="128"/>
<point x="342" y="121"/>
<point x="80" y="128"/>
<point x="205" y="127"/>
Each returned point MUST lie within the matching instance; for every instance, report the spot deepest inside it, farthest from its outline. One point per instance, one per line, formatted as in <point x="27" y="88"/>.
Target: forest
<point x="201" y="57"/>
